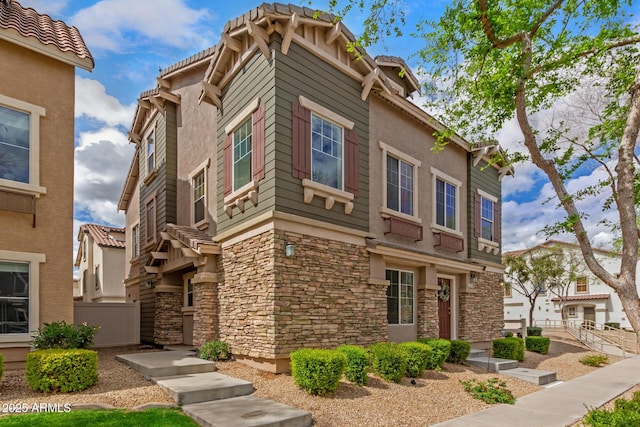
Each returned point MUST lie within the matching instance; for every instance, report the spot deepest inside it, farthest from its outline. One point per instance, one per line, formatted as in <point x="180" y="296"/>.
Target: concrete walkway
<point x="562" y="404"/>
<point x="210" y="398"/>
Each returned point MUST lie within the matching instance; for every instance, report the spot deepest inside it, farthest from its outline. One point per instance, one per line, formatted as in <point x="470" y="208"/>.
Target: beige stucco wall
<point x="196" y="145"/>
<point x="48" y="83"/>
<point x="399" y="130"/>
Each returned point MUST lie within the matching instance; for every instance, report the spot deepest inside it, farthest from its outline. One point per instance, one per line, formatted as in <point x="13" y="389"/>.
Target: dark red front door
<point x="444" y="307"/>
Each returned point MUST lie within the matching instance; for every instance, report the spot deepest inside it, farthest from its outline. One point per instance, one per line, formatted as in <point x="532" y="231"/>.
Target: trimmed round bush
<point x="509" y="348"/>
<point x="459" y="352"/>
<point x="417" y="357"/>
<point x="357" y="363"/>
<point x="534" y="331"/>
<point x="388" y="360"/>
<point x="317" y="371"/>
<point x="538" y="344"/>
<point x="215" y="350"/>
<point x="440" y="351"/>
<point x="63" y="370"/>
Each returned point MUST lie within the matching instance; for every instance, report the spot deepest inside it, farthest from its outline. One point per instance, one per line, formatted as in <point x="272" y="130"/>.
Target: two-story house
<point x="100" y="263"/>
<point x="284" y="194"/>
<point x="582" y="296"/>
<point x="39" y="56"/>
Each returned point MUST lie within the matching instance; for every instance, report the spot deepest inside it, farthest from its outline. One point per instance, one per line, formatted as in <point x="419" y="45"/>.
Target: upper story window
<point x="487" y="222"/>
<point x="400" y="297"/>
<point x="486" y="218"/>
<point x="97" y="276"/>
<point x="198" y="197"/>
<point x="151" y="220"/>
<point x="582" y="284"/>
<point x="446" y="206"/>
<point x="151" y="152"/>
<point x="507" y="290"/>
<point x="20" y="145"/>
<point x="399" y="185"/>
<point x="242" y="155"/>
<point x="135" y="241"/>
<point x="326" y="152"/>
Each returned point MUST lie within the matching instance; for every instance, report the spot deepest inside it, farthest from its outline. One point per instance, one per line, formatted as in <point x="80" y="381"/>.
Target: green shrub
<point x="625" y="413"/>
<point x="357" y="363"/>
<point x="63" y="370"/>
<point x="417" y="357"/>
<point x="493" y="391"/>
<point x="612" y="324"/>
<point x="440" y="352"/>
<point x="215" y="350"/>
<point x="317" y="371"/>
<point x="459" y="352"/>
<point x="538" y="344"/>
<point x="594" y="360"/>
<point x="508" y="334"/>
<point x="509" y="348"/>
<point x="388" y="361"/>
<point x="63" y="335"/>
<point x="534" y="331"/>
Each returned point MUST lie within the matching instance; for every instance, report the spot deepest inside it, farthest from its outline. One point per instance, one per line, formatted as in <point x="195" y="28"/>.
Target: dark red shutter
<point x="227" y="166"/>
<point x="478" y="215"/>
<point x="301" y="141"/>
<point x="496" y="222"/>
<point x="351" y="169"/>
<point x="257" y="142"/>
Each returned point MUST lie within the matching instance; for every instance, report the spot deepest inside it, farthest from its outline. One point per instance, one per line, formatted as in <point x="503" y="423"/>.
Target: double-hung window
<point x="399" y="185"/>
<point x="582" y="285"/>
<point x="326" y="152"/>
<point x="446" y="204"/>
<point x="151" y="152"/>
<point x="242" y="148"/>
<point x="400" y="294"/>
<point x="486" y="218"/>
<point x="20" y="145"/>
<point x="198" y="197"/>
<point x="135" y="241"/>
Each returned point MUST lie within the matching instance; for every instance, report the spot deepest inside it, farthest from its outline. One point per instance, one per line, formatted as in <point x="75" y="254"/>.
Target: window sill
<point x="15" y="338"/>
<point x="248" y="192"/>
<point x="386" y="213"/>
<point x="329" y="194"/>
<point x="150" y="177"/>
<point x="436" y="228"/>
<point x="488" y="246"/>
<point x="21" y="187"/>
<point x="202" y="225"/>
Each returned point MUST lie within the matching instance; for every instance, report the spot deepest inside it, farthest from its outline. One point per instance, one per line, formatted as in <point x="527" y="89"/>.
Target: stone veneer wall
<point x="271" y="304"/>
<point x="482" y="312"/>
<point x="168" y="320"/>
<point x="428" y="322"/>
<point x="205" y="315"/>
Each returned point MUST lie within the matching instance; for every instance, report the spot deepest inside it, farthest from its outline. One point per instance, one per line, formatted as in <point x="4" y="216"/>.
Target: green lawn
<point x="151" y="417"/>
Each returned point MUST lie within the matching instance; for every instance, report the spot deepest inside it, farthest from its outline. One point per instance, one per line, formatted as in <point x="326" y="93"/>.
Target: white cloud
<point x="52" y="7"/>
<point x="93" y="102"/>
<point x="116" y="25"/>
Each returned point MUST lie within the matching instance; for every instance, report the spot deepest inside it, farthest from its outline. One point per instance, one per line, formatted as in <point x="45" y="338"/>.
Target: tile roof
<point x="586" y="297"/>
<point x="190" y="236"/>
<point x="29" y="23"/>
<point x="104" y="235"/>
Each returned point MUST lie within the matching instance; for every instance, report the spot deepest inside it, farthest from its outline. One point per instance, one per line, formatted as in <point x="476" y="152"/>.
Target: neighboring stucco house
<point x="101" y="263"/>
<point x="285" y="194"/>
<point x="588" y="298"/>
<point x="38" y="60"/>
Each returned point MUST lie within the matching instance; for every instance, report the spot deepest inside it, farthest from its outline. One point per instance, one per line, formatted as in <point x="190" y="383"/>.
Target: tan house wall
<point x="397" y="129"/>
<point x="48" y="83"/>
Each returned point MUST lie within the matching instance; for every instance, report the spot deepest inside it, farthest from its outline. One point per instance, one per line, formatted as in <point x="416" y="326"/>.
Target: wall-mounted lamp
<point x="149" y="284"/>
<point x="473" y="278"/>
<point x="289" y="249"/>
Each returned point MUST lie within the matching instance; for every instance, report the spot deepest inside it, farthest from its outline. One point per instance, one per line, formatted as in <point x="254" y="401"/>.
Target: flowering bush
<point x="492" y="391"/>
<point x="63" y="335"/>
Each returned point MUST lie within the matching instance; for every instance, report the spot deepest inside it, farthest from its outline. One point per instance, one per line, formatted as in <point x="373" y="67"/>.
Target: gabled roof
<point x="40" y="33"/>
<point x="586" y="297"/>
<point x="103" y="235"/>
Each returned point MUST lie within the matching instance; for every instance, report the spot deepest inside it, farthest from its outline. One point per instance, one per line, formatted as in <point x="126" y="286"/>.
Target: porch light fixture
<point x="473" y="278"/>
<point x="290" y="249"/>
<point x="149" y="284"/>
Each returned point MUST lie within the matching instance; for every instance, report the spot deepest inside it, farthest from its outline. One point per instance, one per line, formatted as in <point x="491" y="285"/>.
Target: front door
<point x="590" y="315"/>
<point x="444" y="307"/>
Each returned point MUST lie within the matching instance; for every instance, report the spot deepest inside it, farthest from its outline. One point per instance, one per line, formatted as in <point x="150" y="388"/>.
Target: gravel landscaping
<point x="435" y="397"/>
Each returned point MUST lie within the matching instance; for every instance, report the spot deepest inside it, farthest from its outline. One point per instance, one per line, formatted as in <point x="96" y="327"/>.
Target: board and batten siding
<point x="485" y="178"/>
<point x="302" y="73"/>
<point x="255" y="80"/>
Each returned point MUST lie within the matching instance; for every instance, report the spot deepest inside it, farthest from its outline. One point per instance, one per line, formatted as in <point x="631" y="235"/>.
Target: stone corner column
<point x="206" y="320"/>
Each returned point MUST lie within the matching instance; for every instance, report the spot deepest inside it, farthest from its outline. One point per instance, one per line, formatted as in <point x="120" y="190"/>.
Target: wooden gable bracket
<point x="212" y="93"/>
<point x="368" y="81"/>
<point x="292" y="24"/>
<point x="260" y="36"/>
<point x="159" y="255"/>
<point x="232" y="43"/>
<point x="168" y="96"/>
<point x="150" y="269"/>
<point x="479" y="153"/>
<point x="503" y="171"/>
<point x="163" y="83"/>
<point x="189" y="253"/>
<point x="157" y="102"/>
<point x="333" y="34"/>
<point x="134" y="137"/>
<point x="176" y="244"/>
<point x="144" y="103"/>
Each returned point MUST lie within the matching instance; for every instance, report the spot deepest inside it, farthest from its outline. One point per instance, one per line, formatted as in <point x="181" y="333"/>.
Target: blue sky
<point x="132" y="39"/>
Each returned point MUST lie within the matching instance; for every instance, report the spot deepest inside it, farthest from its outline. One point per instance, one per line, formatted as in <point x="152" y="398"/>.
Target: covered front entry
<point x="444" y="307"/>
<point x="187" y="310"/>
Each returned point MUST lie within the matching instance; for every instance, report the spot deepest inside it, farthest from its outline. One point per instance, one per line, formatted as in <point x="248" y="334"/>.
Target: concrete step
<point x="535" y="376"/>
<point x="166" y="363"/>
<point x="247" y="411"/>
<point x="477" y="353"/>
<point x="196" y="388"/>
<point x="492" y="364"/>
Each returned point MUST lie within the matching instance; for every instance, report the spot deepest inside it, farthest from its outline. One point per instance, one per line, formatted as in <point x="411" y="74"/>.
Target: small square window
<point x="572" y="312"/>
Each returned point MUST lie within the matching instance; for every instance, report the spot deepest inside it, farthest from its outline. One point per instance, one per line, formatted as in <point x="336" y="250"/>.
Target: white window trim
<point x="414" y="298"/>
<point x="130" y="239"/>
<point x="242" y="116"/>
<point x="35" y="113"/>
<point x="150" y="174"/>
<point x="451" y="180"/>
<point x="575" y="314"/>
<point x="484" y="245"/>
<point x="587" y="283"/>
<point x="325" y="113"/>
<point x="384" y="210"/>
<point x="202" y="167"/>
<point x="34" y="260"/>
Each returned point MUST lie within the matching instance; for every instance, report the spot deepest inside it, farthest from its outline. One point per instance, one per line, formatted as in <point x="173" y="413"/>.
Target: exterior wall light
<point x="149" y="284"/>
<point x="290" y="249"/>
<point x="473" y="278"/>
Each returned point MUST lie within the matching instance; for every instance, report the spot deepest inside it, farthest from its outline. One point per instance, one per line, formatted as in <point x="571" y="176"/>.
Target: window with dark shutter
<point x="227" y="165"/>
<point x="258" y="144"/>
<point x="351" y="174"/>
<point x="496" y="222"/>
